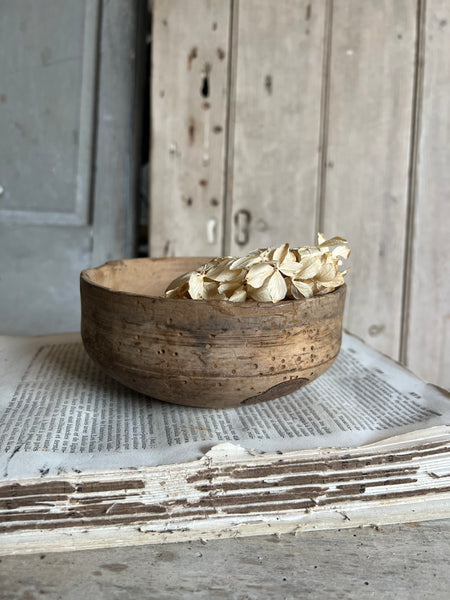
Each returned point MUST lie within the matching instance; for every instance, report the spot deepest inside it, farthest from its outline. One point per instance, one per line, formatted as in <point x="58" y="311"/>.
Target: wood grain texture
<point x="366" y="186"/>
<point x="275" y="125"/>
<point x="428" y="331"/>
<point x="202" y="353"/>
<point x="190" y="57"/>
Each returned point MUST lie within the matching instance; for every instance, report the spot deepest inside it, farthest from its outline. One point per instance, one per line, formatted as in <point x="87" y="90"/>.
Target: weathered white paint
<point x="223" y="495"/>
<point x="323" y="130"/>
<point x="275" y="126"/>
<point x="366" y="187"/>
<point x="190" y="58"/>
<point x="428" y="320"/>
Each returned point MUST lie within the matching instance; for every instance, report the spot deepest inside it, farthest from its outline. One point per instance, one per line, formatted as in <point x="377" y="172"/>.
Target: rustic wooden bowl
<point x="203" y="353"/>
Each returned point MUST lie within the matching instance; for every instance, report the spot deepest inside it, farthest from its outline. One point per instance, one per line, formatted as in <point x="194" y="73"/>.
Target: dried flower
<point x="267" y="274"/>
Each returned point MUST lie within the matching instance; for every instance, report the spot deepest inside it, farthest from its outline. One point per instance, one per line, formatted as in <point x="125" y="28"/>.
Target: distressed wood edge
<point x="294" y="524"/>
<point x="421" y="504"/>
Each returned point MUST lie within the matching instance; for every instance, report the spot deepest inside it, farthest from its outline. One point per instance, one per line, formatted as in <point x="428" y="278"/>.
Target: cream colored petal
<point x="240" y="295"/>
<point x="289" y="268"/>
<point x="309" y="267"/>
<point x="178" y="282"/>
<point x="339" y="281"/>
<point x="217" y="267"/>
<point x="334" y="241"/>
<point x="211" y="291"/>
<point x="245" y="262"/>
<point x="196" y="285"/>
<point x="308" y="251"/>
<point x="280" y="253"/>
<point x="258" y="274"/>
<point x="259" y="294"/>
<point x="292" y="292"/>
<point x="320" y="238"/>
<point x="209" y="265"/>
<point x="228" y="275"/>
<point x="277" y="287"/>
<point x="334" y="283"/>
<point x="228" y="287"/>
<point x="291" y="257"/>
<point x="334" y="260"/>
<point x="239" y="275"/>
<point x="267" y="253"/>
<point x="342" y="251"/>
<point x="327" y="272"/>
<point x="304" y="288"/>
<point x="179" y="292"/>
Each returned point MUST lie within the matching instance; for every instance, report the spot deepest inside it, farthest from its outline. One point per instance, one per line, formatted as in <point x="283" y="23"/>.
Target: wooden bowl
<point x="203" y="353"/>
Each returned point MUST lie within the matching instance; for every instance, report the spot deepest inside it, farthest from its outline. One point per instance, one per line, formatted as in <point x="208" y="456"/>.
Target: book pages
<point x="59" y="413"/>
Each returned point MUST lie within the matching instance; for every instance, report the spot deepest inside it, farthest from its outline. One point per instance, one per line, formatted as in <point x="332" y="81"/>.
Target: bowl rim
<point x="84" y="276"/>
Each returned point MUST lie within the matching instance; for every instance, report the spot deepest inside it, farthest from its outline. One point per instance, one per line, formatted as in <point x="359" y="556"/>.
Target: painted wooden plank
<point x="189" y="107"/>
<point x="39" y="285"/>
<point x="275" y="135"/>
<point x="119" y="113"/>
<point x="370" y="110"/>
<point x="63" y="205"/>
<point x="428" y="341"/>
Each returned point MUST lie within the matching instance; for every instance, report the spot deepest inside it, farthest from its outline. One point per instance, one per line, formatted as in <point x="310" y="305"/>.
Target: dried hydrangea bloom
<point x="267" y="274"/>
<point x="267" y="280"/>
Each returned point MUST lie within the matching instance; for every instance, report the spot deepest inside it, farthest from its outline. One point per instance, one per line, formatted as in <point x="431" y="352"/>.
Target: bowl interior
<point x="144" y="276"/>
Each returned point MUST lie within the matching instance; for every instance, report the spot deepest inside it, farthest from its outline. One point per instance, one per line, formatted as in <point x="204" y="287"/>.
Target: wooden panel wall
<point x="330" y="115"/>
<point x="189" y="114"/>
<point x="371" y="78"/>
<point x="427" y="336"/>
<point x="275" y="130"/>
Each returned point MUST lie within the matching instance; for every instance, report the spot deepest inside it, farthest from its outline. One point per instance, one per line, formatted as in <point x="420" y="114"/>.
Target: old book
<point x="85" y="462"/>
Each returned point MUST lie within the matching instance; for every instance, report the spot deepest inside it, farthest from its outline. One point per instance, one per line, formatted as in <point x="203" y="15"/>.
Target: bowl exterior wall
<point x="210" y="354"/>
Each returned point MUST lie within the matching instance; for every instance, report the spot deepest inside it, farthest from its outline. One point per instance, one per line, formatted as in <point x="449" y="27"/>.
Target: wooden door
<point x="67" y="153"/>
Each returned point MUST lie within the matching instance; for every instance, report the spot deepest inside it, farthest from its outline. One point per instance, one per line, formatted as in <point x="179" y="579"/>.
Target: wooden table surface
<point x="399" y="561"/>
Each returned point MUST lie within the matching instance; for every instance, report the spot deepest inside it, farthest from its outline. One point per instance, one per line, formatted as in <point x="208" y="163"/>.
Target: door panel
<point x="50" y="48"/>
<point x="53" y="156"/>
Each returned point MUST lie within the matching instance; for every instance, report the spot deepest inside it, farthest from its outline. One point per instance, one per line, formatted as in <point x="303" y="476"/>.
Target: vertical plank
<point x="276" y="128"/>
<point x="428" y="341"/>
<point x="190" y="58"/>
<point x="370" y="111"/>
<point x="119" y="117"/>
